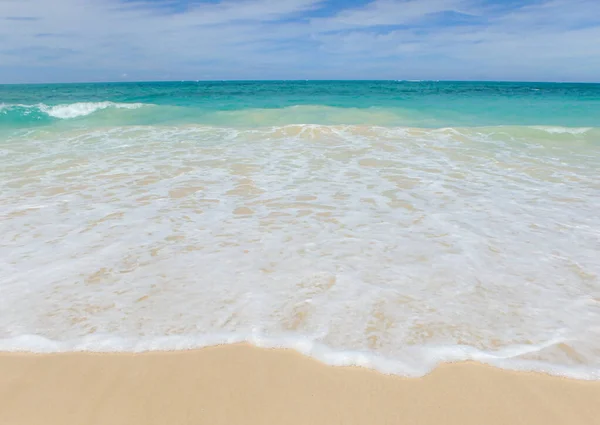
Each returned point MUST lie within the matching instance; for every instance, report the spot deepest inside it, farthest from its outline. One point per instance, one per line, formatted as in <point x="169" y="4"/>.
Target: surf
<point x="395" y="248"/>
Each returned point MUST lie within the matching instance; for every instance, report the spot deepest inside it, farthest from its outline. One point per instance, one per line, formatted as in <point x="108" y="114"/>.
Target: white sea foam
<point x="395" y="249"/>
<point x="564" y="130"/>
<point x="412" y="362"/>
<point x="70" y="110"/>
<point x="81" y="109"/>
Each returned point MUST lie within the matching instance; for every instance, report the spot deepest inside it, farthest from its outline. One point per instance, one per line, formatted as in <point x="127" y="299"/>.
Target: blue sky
<point x="132" y="40"/>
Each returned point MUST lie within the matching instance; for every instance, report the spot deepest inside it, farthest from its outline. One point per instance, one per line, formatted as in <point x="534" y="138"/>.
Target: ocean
<point x="394" y="225"/>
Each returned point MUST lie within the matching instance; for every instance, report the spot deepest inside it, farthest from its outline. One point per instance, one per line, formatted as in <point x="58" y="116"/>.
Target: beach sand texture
<point x="240" y="384"/>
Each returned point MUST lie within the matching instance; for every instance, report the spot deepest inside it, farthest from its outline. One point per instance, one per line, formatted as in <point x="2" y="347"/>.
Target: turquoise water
<point x="394" y="103"/>
<point x="391" y="225"/>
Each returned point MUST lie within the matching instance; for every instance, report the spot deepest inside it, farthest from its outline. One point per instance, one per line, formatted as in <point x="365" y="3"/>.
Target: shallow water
<point x="392" y="247"/>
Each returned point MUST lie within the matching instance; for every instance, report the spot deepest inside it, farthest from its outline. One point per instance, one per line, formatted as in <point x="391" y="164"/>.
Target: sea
<point x="393" y="225"/>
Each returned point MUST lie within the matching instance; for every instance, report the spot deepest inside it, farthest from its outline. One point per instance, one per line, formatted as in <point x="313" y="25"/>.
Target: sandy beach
<point x="240" y="384"/>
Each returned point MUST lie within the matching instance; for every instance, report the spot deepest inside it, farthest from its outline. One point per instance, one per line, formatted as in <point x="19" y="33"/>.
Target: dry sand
<point x="244" y="385"/>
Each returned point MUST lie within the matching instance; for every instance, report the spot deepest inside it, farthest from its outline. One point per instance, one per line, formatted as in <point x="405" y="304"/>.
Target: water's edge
<point x="429" y="358"/>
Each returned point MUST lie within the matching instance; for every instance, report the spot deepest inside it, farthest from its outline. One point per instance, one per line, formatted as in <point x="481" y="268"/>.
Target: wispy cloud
<point x="21" y="18"/>
<point x="176" y="39"/>
<point x="391" y="13"/>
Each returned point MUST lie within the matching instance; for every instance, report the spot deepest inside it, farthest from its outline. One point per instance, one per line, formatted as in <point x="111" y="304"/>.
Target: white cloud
<point x="91" y="39"/>
<point x="391" y="12"/>
<point x="110" y="34"/>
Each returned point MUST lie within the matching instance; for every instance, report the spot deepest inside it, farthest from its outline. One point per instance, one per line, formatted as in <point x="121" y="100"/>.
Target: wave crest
<point x="66" y="111"/>
<point x="81" y="109"/>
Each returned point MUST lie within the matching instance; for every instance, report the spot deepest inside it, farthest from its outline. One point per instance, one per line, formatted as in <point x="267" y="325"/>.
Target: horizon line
<point x="299" y="80"/>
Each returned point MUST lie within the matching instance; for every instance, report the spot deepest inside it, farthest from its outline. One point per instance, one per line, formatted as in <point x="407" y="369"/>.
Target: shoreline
<point x="242" y="384"/>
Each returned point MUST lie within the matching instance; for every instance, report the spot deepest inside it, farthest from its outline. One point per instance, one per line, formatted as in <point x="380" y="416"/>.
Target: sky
<point x="135" y="40"/>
